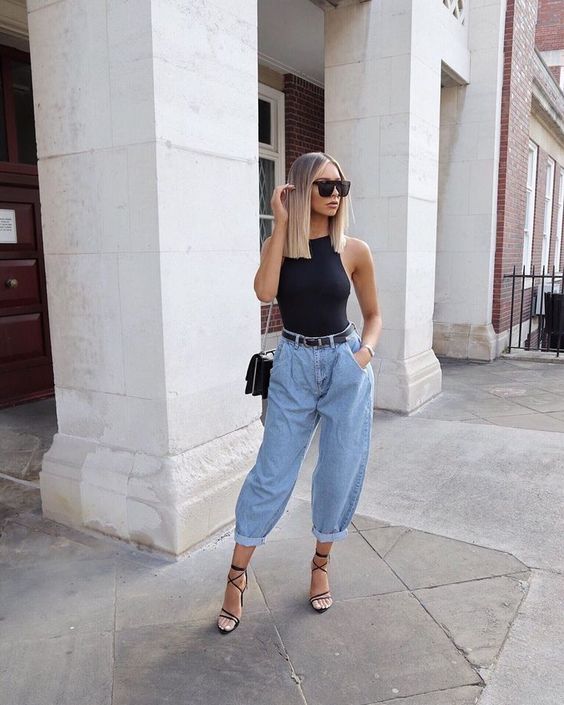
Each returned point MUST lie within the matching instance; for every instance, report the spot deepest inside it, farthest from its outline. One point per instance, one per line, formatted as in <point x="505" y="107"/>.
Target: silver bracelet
<point x="370" y="349"/>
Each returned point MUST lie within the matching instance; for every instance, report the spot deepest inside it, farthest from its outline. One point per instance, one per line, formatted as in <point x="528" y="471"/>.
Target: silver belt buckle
<point x="312" y="345"/>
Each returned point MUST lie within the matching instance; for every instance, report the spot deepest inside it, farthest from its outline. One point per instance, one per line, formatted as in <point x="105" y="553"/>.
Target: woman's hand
<point x="362" y="356"/>
<point x="279" y="201"/>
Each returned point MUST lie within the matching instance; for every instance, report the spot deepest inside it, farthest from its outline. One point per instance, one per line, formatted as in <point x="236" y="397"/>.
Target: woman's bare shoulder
<point x="358" y="253"/>
<point x="356" y="245"/>
<point x="355" y="241"/>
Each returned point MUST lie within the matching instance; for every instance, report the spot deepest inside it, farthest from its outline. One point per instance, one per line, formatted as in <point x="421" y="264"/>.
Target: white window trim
<point x="547" y="218"/>
<point x="560" y="213"/>
<point x="277" y="152"/>
<point x="530" y="211"/>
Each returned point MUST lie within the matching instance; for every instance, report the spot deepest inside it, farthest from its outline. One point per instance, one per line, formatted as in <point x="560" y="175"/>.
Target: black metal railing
<point x="540" y="305"/>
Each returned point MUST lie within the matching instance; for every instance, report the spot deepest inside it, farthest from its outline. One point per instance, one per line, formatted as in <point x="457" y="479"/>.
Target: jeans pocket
<point x="353" y="345"/>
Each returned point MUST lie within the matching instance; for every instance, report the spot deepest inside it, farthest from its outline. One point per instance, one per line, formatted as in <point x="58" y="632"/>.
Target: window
<point x="558" y="243"/>
<point x="23" y="108"/>
<point x="530" y="207"/>
<point x="547" y="222"/>
<point x="17" y="125"/>
<point x="271" y="153"/>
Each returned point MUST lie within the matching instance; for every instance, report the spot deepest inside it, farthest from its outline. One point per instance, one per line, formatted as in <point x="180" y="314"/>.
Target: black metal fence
<point x="538" y="310"/>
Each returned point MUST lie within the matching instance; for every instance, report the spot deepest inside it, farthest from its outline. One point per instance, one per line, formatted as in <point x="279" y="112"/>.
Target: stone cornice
<point x="13" y="18"/>
<point x="547" y="102"/>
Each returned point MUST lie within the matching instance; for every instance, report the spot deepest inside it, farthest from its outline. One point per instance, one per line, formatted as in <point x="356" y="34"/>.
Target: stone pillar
<point x="146" y="119"/>
<point x="383" y="78"/>
<point x="469" y="172"/>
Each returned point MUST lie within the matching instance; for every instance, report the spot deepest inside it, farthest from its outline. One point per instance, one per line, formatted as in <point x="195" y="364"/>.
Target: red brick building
<point x="531" y="174"/>
<point x="531" y="150"/>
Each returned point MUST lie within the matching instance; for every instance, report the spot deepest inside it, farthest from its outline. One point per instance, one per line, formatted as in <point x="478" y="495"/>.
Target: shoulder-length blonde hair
<point x="302" y="174"/>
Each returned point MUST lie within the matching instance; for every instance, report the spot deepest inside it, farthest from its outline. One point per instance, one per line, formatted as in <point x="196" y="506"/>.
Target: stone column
<point x="383" y="78"/>
<point x="146" y="119"/>
<point x="468" y="185"/>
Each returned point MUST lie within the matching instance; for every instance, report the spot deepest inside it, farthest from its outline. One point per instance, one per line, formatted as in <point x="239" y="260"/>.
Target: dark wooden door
<point x="26" y="370"/>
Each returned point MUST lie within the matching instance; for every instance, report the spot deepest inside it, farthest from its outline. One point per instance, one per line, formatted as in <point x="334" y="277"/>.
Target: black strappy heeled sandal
<point x="228" y="615"/>
<point x="322" y="594"/>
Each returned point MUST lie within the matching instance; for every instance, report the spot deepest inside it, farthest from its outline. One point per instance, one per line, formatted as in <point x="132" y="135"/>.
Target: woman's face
<point x="326" y="205"/>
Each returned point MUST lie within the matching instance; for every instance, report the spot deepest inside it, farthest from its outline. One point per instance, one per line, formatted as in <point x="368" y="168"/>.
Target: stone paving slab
<point x="467" y="695"/>
<point x="384" y="538"/>
<point x="21" y="545"/>
<point x="51" y="600"/>
<point x="361" y="522"/>
<point x="193" y="663"/>
<point x="20" y="498"/>
<point x="27" y="432"/>
<point x="534" y="422"/>
<point x="71" y="669"/>
<point x="370" y="649"/>
<point x="283" y="570"/>
<point x="423" y="560"/>
<point x="542" y="400"/>
<point x="450" y="406"/>
<point x="503" y="392"/>
<point x="477" y="614"/>
<point x="529" y="670"/>
<point x="191" y="589"/>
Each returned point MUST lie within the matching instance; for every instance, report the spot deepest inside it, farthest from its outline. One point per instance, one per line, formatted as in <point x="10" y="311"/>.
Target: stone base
<point x="465" y="341"/>
<point x="171" y="504"/>
<point x="404" y="385"/>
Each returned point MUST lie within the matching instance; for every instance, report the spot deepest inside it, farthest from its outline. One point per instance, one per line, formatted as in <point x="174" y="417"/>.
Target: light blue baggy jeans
<point x="310" y="385"/>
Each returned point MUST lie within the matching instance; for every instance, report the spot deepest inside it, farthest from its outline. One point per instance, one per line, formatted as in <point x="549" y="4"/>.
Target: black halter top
<point x="313" y="293"/>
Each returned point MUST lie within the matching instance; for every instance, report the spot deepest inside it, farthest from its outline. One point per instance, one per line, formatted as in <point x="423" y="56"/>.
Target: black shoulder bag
<point x="258" y="371"/>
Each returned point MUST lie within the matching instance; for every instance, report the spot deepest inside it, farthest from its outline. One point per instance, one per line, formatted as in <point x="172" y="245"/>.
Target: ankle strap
<point x="321" y="555"/>
<point x="236" y="567"/>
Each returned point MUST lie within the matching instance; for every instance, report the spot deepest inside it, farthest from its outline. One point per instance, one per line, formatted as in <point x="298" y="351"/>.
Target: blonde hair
<point x="304" y="170"/>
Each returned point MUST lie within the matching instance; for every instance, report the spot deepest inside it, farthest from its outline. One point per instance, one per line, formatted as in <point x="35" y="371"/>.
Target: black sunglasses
<point x="326" y="187"/>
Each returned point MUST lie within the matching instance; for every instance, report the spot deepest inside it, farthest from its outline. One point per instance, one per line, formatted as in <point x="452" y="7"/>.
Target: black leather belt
<point x="318" y="341"/>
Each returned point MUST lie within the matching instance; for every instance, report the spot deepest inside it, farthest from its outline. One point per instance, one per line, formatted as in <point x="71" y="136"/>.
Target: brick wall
<point x="304" y="132"/>
<point x="305" y="117"/>
<point x="550" y="25"/>
<point x="519" y="42"/>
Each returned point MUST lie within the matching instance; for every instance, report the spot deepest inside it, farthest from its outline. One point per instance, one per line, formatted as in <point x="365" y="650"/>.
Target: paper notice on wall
<point x="8" y="226"/>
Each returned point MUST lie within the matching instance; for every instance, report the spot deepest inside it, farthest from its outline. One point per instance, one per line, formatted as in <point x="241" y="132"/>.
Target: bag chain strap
<point x="267" y="324"/>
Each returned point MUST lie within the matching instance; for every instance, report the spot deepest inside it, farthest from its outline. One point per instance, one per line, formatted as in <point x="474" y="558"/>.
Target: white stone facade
<point x="146" y="118"/>
<point x="149" y="215"/>
<point x="383" y="97"/>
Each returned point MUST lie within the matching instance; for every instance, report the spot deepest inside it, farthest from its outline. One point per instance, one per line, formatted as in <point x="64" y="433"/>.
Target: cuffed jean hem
<point x="248" y="540"/>
<point x="329" y="537"/>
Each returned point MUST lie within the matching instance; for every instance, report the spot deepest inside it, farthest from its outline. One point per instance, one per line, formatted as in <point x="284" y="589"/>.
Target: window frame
<point x="559" y="219"/>
<point x="274" y="151"/>
<point x="530" y="199"/>
<point x="547" y="215"/>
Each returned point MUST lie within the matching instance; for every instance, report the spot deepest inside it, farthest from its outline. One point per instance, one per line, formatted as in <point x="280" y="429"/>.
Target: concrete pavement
<point x="448" y="590"/>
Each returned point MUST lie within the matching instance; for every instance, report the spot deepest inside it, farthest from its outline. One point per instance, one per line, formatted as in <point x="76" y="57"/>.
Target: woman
<point x="320" y="373"/>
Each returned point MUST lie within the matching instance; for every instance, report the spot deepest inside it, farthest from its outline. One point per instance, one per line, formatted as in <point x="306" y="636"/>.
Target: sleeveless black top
<point x="313" y="293"/>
